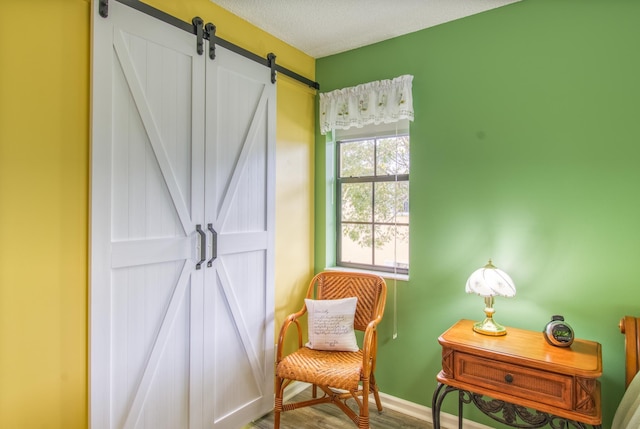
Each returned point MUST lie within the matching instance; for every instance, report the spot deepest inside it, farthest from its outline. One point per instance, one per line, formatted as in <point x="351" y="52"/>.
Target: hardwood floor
<point x="328" y="416"/>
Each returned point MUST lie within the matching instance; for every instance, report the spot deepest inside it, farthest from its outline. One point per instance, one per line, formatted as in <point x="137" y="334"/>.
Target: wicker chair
<point x="341" y="375"/>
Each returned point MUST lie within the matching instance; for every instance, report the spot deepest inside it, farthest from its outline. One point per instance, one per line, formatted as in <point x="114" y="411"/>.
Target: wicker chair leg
<point x="363" y="420"/>
<point x="376" y="394"/>
<point x="277" y="408"/>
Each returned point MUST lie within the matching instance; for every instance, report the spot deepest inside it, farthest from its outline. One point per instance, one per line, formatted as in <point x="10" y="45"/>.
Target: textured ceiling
<point x="324" y="27"/>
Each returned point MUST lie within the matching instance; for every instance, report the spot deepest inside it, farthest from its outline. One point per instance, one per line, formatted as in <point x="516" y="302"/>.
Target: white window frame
<point x="368" y="131"/>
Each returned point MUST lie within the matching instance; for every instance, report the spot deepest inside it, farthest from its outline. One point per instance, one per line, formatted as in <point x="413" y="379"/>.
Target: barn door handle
<point x="214" y="245"/>
<point x="203" y="246"/>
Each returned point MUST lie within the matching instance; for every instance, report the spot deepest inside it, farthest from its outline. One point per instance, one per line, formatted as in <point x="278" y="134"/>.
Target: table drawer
<point x="528" y="383"/>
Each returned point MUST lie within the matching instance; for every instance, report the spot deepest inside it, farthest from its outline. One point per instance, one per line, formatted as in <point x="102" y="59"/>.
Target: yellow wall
<point x="44" y="182"/>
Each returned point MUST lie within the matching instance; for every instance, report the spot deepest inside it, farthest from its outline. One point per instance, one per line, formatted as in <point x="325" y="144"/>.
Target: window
<point x="373" y="203"/>
<point x="368" y="139"/>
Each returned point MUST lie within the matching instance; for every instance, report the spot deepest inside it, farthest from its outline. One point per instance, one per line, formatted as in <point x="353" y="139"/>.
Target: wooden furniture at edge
<point x="522" y="368"/>
<point x="630" y="327"/>
<point x="340" y="375"/>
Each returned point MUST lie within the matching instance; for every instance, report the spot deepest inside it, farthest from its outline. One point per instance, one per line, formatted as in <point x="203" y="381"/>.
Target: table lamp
<point x="488" y="282"/>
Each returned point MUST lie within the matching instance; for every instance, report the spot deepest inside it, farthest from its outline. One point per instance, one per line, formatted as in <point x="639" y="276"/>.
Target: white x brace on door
<point x="182" y="219"/>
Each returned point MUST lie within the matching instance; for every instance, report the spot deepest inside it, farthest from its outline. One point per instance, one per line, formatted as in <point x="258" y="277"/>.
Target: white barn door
<point x="240" y="205"/>
<point x="182" y="146"/>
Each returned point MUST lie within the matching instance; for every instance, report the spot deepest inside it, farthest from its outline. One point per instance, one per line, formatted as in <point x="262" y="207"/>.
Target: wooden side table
<point x="533" y="384"/>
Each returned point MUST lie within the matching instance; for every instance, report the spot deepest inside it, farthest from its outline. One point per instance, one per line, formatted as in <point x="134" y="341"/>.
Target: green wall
<point x="524" y="150"/>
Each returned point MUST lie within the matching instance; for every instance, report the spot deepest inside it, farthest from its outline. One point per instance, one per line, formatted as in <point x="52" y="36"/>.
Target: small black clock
<point x="558" y="332"/>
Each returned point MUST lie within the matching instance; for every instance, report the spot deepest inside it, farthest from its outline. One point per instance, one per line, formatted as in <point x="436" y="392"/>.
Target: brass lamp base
<point x="489" y="327"/>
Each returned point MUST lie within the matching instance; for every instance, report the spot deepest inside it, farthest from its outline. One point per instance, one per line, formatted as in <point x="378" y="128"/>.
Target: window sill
<point x="383" y="274"/>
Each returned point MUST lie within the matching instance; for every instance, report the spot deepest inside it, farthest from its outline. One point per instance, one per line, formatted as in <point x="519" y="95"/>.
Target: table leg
<point x="460" y="404"/>
<point x="436" y="404"/>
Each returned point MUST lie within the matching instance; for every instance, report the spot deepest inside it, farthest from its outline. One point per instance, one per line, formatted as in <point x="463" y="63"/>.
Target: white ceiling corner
<point x="325" y="27"/>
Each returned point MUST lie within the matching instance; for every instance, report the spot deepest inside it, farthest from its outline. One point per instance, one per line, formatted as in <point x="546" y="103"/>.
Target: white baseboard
<point x="422" y="412"/>
<point x="447" y="421"/>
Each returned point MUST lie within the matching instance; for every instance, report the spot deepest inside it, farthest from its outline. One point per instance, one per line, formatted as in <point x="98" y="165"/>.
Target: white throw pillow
<point x="331" y="324"/>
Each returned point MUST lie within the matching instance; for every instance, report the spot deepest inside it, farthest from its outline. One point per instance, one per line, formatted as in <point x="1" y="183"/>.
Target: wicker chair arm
<point x="370" y="345"/>
<point x="291" y="319"/>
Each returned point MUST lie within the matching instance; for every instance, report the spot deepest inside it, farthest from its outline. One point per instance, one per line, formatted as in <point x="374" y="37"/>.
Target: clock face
<point x="561" y="333"/>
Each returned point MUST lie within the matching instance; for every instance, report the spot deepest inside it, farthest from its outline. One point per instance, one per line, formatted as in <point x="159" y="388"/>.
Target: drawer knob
<point x="508" y="378"/>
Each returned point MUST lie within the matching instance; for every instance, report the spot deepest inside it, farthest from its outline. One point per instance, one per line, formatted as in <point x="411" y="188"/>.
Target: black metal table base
<point x="504" y="412"/>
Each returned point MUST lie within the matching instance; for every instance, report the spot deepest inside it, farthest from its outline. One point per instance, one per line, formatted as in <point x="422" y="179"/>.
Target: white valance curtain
<point x="383" y="101"/>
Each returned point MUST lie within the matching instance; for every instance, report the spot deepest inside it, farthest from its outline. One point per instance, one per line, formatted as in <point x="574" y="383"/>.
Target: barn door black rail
<point x="208" y="32"/>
